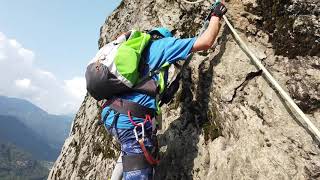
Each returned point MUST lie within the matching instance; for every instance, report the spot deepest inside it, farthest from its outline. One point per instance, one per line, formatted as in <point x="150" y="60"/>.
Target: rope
<point x="306" y="122"/>
<point x="269" y="77"/>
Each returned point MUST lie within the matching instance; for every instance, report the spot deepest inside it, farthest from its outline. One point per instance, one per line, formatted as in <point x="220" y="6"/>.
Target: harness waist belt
<point x="123" y="106"/>
<point x="134" y="162"/>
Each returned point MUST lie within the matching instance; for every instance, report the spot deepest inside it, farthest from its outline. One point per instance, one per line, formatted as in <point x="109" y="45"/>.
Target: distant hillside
<point x="53" y="128"/>
<point x="16" y="164"/>
<point x="14" y="131"/>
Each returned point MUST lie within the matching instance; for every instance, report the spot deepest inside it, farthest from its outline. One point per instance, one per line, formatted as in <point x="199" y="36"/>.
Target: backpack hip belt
<point x="124" y="107"/>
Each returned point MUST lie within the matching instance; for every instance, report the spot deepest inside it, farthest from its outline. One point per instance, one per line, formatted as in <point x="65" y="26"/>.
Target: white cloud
<point x="26" y="54"/>
<point x="20" y="78"/>
<point x="76" y="87"/>
<point x="2" y="56"/>
<point x="23" y="83"/>
<point x="46" y="74"/>
<point x="2" y="36"/>
<point x="14" y="43"/>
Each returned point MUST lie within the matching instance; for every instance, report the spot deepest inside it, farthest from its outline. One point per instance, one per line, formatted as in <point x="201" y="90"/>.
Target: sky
<point x="45" y="47"/>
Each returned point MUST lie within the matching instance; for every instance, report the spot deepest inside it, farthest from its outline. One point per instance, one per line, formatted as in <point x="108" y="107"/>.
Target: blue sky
<point x="63" y="34"/>
<point x="53" y="38"/>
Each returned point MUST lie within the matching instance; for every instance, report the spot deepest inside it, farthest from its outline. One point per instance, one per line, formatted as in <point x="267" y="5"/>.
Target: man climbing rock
<point x="128" y="117"/>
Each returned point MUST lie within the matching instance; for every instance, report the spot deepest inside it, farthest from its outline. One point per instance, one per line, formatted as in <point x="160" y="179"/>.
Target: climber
<point x="122" y="115"/>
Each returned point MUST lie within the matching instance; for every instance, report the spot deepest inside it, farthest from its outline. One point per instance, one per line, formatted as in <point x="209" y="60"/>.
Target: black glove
<point x="218" y="9"/>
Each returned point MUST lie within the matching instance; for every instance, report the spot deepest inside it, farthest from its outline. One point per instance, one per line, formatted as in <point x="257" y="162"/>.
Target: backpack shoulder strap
<point x="174" y="83"/>
<point x="149" y="86"/>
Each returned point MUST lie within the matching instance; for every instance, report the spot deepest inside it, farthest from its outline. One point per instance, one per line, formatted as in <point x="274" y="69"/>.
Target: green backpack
<point x="115" y="68"/>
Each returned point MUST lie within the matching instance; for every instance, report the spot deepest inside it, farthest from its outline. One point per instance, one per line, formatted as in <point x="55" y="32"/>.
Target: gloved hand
<point x="218" y="9"/>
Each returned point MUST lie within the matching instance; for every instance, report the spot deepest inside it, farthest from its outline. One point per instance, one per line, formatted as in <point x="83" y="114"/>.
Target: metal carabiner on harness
<point x="135" y="131"/>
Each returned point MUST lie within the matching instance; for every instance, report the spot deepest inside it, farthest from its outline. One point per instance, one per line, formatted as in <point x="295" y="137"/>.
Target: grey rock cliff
<point x="226" y="121"/>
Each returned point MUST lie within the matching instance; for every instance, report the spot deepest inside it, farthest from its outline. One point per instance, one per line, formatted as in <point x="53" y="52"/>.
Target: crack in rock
<point x="249" y="77"/>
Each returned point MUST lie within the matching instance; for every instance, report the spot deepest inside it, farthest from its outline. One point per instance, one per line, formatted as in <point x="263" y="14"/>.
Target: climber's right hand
<point x="218" y="9"/>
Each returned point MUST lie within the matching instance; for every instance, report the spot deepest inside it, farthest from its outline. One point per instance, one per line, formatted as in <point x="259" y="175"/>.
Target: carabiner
<point x="135" y="131"/>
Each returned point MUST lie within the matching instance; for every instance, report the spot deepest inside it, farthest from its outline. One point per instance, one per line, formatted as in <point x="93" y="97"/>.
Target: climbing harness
<point x="135" y="109"/>
<point x="147" y="155"/>
<point x="305" y="120"/>
<point x="134" y="162"/>
<point x="121" y="106"/>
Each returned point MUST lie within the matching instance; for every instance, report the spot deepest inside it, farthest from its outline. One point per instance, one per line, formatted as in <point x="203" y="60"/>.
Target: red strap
<point x="149" y="158"/>
<point x="148" y="118"/>
<point x="130" y="119"/>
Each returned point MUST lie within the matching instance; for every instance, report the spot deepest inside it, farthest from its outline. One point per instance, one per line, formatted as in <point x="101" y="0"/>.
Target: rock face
<point x="226" y="121"/>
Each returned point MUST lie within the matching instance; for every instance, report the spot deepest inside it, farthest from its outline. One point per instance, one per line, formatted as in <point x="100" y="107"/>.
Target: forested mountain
<point x="30" y="139"/>
<point x="51" y="128"/>
<point x="18" y="165"/>
<point x="12" y="130"/>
